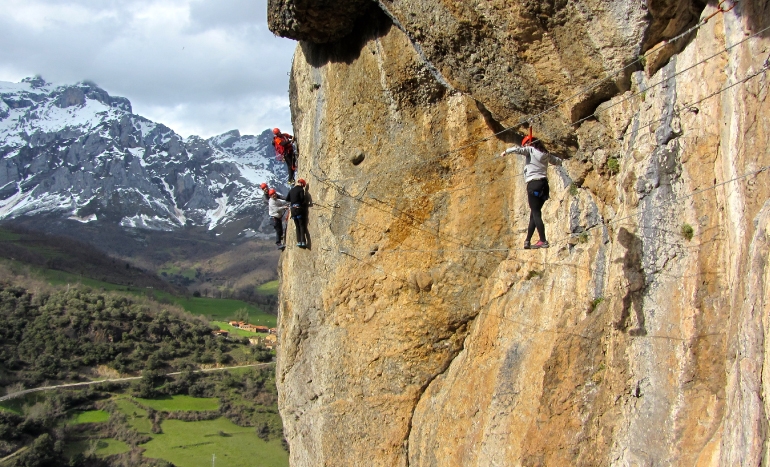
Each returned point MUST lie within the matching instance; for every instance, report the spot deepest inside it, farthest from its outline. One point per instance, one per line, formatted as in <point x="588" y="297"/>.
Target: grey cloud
<point x="251" y="114"/>
<point x="224" y="58"/>
<point x="227" y="13"/>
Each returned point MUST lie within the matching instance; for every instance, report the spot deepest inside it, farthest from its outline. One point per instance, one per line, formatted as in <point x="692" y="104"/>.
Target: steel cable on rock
<point x="546" y="263"/>
<point x="581" y="91"/>
<point x="497" y="251"/>
<point x="536" y="328"/>
<point x="627" y="98"/>
<point x="347" y="253"/>
<point x="343" y="191"/>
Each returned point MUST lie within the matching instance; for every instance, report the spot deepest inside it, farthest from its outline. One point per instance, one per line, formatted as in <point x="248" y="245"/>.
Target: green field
<point x="91" y="416"/>
<point x="177" y="271"/>
<point x="102" y="447"/>
<point x="14" y="405"/>
<point x="221" y="309"/>
<point x="7" y="236"/>
<point x="181" y="403"/>
<point x="136" y="416"/>
<point x="239" y="371"/>
<point x="217" y="309"/>
<point x="55" y="277"/>
<point x="268" y="288"/>
<point x="18" y="404"/>
<point x="193" y="444"/>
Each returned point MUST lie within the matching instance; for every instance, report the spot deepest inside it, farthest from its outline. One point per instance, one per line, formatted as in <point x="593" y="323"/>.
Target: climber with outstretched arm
<point x="535" y="175"/>
<point x="284" y="150"/>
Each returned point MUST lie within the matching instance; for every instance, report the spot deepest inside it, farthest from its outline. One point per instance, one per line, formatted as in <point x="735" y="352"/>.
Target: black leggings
<point x="537" y="194"/>
<point x="291" y="163"/>
<point x="299" y="224"/>
<point x="278" y="226"/>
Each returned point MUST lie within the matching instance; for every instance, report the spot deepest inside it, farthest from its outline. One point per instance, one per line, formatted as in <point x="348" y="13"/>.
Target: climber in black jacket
<point x="296" y="198"/>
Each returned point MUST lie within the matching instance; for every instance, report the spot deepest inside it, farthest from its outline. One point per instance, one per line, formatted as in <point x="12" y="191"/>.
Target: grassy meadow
<point x="102" y="447"/>
<point x="91" y="416"/>
<point x="214" y="309"/>
<point x="193" y="444"/>
<point x="268" y="288"/>
<point x="222" y="309"/>
<point x="181" y="403"/>
<point x="183" y="443"/>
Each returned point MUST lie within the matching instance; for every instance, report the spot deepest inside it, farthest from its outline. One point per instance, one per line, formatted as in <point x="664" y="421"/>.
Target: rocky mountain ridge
<point x="637" y="339"/>
<point x="78" y="153"/>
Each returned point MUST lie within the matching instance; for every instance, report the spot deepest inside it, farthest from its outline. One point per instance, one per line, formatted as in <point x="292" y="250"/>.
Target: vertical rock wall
<point x="415" y="331"/>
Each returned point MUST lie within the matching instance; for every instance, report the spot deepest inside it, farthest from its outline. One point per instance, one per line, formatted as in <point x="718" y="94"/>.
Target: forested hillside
<point x="56" y="335"/>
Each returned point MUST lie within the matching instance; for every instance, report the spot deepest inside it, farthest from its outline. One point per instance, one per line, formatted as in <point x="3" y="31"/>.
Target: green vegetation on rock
<point x="687" y="231"/>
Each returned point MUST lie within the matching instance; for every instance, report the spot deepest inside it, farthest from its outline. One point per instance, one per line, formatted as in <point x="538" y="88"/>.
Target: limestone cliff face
<point x="416" y="332"/>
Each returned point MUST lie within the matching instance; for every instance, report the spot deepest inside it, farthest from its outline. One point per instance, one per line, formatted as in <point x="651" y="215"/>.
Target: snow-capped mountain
<point x="78" y="152"/>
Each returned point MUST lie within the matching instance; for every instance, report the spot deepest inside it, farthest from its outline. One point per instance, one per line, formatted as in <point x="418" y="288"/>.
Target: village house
<point x="254" y="340"/>
<point x="221" y="333"/>
<point x="262" y="329"/>
<point x="272" y="331"/>
<point x="271" y="341"/>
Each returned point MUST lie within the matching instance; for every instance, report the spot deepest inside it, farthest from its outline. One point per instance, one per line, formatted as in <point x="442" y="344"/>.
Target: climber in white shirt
<point x="535" y="175"/>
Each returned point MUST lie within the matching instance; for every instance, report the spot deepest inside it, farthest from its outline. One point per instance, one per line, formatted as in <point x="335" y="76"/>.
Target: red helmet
<point x="270" y="192"/>
<point x="527" y="139"/>
<point x="263" y="185"/>
<point x="302" y="182"/>
<point x="276" y="131"/>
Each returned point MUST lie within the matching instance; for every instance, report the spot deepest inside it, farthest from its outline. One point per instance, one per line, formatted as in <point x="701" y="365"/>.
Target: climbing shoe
<point x="281" y="247"/>
<point x="291" y="181"/>
<point x="527" y="245"/>
<point x="540" y="244"/>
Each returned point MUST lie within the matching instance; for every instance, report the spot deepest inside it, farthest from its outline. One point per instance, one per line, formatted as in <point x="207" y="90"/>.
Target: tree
<point x="241" y="314"/>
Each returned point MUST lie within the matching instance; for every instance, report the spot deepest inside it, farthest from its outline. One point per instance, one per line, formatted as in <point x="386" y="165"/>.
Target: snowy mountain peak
<point x="76" y="151"/>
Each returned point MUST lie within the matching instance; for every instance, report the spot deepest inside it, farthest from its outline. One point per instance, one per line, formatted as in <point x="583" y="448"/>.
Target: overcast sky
<point x="198" y="66"/>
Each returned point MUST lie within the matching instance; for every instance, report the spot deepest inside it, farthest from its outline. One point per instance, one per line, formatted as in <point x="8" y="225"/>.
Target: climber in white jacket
<point x="535" y="175"/>
<point x="276" y="208"/>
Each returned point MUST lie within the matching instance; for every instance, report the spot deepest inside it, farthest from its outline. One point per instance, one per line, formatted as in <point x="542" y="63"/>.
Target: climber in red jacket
<point x="284" y="150"/>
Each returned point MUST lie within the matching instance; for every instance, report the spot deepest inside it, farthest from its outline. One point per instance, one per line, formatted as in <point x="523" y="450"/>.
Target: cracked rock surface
<point x="415" y="331"/>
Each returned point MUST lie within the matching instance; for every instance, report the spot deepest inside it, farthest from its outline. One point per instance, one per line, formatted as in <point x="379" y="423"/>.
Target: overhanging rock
<point x="317" y="21"/>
